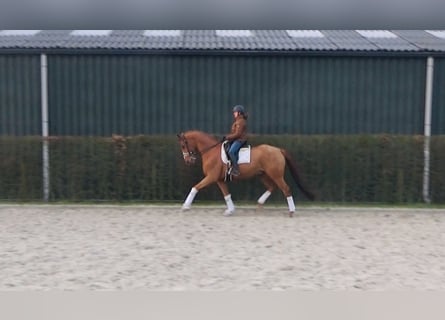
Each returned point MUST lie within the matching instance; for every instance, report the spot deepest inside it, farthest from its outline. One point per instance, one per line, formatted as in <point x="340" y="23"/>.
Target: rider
<point x="237" y="137"/>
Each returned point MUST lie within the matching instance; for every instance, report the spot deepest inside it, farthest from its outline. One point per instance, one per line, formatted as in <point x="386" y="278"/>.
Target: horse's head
<point x="188" y="148"/>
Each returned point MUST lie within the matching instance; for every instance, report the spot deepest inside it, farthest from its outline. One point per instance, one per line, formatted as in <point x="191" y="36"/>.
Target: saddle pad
<point x="243" y="155"/>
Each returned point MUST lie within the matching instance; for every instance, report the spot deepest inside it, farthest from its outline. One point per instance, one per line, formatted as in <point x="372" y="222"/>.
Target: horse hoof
<point x="260" y="206"/>
<point x="185" y="208"/>
<point x="291" y="214"/>
<point x="228" y="213"/>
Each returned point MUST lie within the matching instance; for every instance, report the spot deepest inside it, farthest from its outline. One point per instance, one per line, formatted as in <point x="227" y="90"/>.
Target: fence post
<point x="427" y="128"/>
<point x="44" y="110"/>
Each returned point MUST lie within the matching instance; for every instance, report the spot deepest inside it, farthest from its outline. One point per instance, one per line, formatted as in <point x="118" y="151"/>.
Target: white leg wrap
<point x="230" y="206"/>
<point x="290" y="203"/>
<point x="188" y="202"/>
<point x="264" y="197"/>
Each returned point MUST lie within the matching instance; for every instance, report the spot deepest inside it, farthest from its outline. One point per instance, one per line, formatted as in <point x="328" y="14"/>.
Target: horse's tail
<point x="292" y="165"/>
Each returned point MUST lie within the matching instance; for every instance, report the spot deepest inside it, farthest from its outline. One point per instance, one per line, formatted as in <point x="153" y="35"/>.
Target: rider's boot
<point x="234" y="170"/>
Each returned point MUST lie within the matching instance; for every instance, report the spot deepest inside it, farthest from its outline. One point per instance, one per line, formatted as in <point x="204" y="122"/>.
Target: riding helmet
<point x="238" y="108"/>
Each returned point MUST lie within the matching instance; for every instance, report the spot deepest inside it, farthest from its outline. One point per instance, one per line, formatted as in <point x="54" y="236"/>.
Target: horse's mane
<point x="201" y="135"/>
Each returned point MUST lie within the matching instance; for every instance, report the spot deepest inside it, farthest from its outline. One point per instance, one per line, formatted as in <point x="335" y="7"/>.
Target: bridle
<point x="191" y="153"/>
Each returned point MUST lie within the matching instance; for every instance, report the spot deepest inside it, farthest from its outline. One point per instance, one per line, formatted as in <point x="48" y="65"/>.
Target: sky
<point x="222" y="14"/>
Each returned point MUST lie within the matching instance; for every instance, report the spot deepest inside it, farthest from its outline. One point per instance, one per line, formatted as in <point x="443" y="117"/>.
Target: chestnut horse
<point x="266" y="161"/>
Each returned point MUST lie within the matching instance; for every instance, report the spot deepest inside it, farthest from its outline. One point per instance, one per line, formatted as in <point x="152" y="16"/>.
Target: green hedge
<point x="367" y="168"/>
<point x="438" y="169"/>
<point x="20" y="168"/>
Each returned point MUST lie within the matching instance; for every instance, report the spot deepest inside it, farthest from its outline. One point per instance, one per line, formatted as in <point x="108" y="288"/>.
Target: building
<point x="100" y="82"/>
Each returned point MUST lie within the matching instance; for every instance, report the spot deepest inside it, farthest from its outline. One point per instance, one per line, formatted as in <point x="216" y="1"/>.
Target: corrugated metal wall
<point x="438" y="113"/>
<point x="131" y="94"/>
<point x="20" y="112"/>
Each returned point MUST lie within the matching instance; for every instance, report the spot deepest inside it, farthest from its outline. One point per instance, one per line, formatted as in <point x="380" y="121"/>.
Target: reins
<point x="209" y="148"/>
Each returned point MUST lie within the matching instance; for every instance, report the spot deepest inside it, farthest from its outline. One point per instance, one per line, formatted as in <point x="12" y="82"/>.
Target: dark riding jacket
<point x="239" y="130"/>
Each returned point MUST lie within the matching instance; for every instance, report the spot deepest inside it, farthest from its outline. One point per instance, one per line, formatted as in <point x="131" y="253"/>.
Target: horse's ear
<point x="178" y="135"/>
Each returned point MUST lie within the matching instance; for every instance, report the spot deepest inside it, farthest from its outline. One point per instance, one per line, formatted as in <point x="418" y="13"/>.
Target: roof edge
<point x="210" y="52"/>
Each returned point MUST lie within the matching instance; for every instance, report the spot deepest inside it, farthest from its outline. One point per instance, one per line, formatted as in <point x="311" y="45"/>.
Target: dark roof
<point x="408" y="41"/>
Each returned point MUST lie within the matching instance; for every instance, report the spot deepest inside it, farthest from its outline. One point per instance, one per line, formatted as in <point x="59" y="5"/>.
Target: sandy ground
<point x="161" y="248"/>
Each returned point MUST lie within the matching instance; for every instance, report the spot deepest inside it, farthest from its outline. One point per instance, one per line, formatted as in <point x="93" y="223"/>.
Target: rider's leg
<point x="233" y="154"/>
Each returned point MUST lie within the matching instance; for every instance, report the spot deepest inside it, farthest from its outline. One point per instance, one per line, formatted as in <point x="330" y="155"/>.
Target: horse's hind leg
<point x="227" y="197"/>
<point x="270" y="187"/>
<point x="286" y="191"/>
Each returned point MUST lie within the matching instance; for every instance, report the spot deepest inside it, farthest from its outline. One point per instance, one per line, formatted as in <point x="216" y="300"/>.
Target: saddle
<point x="243" y="157"/>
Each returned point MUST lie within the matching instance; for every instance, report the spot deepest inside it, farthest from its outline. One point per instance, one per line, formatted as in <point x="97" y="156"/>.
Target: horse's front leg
<point x="227" y="197"/>
<point x="192" y="194"/>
